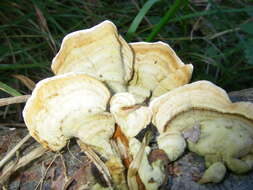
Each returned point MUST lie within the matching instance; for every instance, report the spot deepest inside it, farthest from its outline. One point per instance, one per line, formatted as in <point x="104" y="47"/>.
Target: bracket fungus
<point x="74" y="105"/>
<point x="100" y="52"/>
<point x="198" y="116"/>
<point x="222" y="130"/>
<point x="131" y="119"/>
<point x="157" y="69"/>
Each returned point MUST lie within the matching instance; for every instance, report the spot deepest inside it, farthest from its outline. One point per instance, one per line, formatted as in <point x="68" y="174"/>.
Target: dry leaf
<point x="58" y="183"/>
<point x="157" y="154"/>
<point x="27" y="176"/>
<point x="82" y="179"/>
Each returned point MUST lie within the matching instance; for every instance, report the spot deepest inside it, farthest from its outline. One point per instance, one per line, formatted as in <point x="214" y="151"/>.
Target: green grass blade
<point x="139" y="17"/>
<point x="211" y="12"/>
<point x="170" y="13"/>
<point x="9" y="89"/>
<point x="21" y="66"/>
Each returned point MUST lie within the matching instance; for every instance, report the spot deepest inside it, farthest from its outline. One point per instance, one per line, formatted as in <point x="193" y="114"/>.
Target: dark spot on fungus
<point x="151" y="180"/>
<point x="228" y="127"/>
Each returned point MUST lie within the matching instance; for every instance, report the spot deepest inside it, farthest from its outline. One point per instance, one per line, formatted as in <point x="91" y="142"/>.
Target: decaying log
<point x="183" y="173"/>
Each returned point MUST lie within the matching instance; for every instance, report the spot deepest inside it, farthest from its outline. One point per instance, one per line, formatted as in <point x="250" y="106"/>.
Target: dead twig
<point x="72" y="153"/>
<point x="211" y="37"/>
<point x="45" y="173"/>
<point x="14" y="100"/>
<point x="13" y="151"/>
<point x="23" y="161"/>
<point x="19" y="125"/>
<point x="64" y="168"/>
<point x="196" y="25"/>
<point x="44" y="27"/>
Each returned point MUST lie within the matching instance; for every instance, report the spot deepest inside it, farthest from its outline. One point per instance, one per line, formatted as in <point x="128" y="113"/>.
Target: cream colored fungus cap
<point x="131" y="117"/>
<point x="98" y="51"/>
<point x="200" y="100"/>
<point x="156" y="68"/>
<point x="69" y="105"/>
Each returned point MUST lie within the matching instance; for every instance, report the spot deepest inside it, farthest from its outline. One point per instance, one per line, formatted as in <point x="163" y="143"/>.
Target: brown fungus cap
<point x="157" y="69"/>
<point x="69" y="105"/>
<point x="100" y="52"/>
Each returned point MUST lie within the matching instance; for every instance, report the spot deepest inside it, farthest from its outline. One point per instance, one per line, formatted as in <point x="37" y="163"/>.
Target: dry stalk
<point x="72" y="153"/>
<point x="23" y="161"/>
<point x="13" y="150"/>
<point x="13" y="125"/>
<point x="97" y="162"/>
<point x="45" y="173"/>
<point x="64" y="168"/>
<point x="196" y="25"/>
<point x="26" y="81"/>
<point x="14" y="100"/>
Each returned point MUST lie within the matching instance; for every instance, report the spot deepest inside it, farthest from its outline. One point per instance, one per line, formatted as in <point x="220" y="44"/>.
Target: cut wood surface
<point x="74" y="166"/>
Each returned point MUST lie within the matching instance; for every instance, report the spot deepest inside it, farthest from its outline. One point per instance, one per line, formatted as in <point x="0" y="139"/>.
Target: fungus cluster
<point x="201" y="116"/>
<point x="101" y="93"/>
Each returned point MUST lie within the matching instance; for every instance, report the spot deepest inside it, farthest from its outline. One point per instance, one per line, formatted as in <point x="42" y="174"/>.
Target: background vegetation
<point x="215" y="36"/>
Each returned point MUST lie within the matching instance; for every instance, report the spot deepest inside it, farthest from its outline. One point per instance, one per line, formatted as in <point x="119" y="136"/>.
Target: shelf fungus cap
<point x="202" y="114"/>
<point x="157" y="70"/>
<point x="194" y="102"/>
<point x="69" y="105"/>
<point x="131" y="117"/>
<point x="100" y="52"/>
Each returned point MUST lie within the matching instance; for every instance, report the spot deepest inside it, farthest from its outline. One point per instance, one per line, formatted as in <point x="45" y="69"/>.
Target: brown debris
<point x="58" y="183"/>
<point x="157" y="154"/>
<point x="174" y="170"/>
<point x="82" y="178"/>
